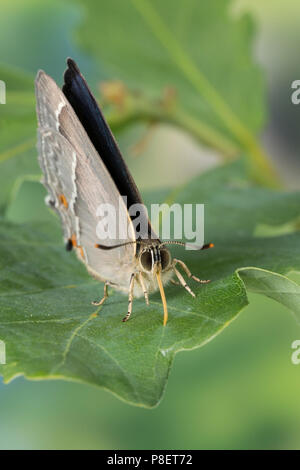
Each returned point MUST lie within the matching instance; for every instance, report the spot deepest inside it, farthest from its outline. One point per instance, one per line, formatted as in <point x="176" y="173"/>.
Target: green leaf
<point x="51" y="330"/>
<point x="199" y="49"/>
<point x="272" y="285"/>
<point x="17" y="131"/>
<point x="35" y="22"/>
<point x="209" y="92"/>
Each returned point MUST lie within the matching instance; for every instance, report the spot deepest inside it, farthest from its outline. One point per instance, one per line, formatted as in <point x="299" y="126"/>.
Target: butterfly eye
<point x="146" y="260"/>
<point x="165" y="259"/>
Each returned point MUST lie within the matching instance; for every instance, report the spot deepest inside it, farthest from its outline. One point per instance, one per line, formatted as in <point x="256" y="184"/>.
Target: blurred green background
<point x="241" y="390"/>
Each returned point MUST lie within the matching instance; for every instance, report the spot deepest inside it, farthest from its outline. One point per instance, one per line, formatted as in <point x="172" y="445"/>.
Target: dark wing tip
<point x="71" y="71"/>
<point x="72" y="64"/>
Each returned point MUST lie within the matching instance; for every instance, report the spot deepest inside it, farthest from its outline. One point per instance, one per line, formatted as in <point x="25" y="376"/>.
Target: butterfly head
<point x="154" y="258"/>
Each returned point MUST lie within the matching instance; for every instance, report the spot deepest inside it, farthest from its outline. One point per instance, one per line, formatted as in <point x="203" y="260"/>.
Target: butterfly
<point x="83" y="168"/>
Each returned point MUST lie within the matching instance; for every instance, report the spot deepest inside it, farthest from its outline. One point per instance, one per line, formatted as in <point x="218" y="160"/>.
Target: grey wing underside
<point x="78" y="182"/>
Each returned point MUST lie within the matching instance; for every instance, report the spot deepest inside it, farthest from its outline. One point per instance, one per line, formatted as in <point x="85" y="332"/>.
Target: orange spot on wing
<point x="74" y="243"/>
<point x="63" y="200"/>
<point x="81" y="251"/>
<point x="73" y="240"/>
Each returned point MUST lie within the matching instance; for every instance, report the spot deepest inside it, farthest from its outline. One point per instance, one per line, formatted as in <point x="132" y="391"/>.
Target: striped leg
<point x="182" y="281"/>
<point x="130" y="297"/>
<point x="188" y="272"/>
<point x="105" y="295"/>
<point x="144" y="288"/>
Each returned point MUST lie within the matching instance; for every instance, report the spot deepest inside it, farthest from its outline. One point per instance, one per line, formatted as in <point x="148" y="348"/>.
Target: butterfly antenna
<point x="111" y="247"/>
<point x="173" y="242"/>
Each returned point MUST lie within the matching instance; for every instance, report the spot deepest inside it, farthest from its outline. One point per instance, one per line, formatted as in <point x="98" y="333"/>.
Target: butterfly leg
<point x="105" y="295"/>
<point x="182" y="281"/>
<point x="144" y="288"/>
<point x="188" y="272"/>
<point x="176" y="283"/>
<point x="130" y="297"/>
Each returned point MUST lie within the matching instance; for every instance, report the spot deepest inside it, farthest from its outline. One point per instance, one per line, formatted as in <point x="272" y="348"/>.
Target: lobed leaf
<point x="51" y="329"/>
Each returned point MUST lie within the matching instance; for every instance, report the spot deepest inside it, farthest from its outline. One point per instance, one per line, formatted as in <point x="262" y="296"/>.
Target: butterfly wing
<point x="78" y="182"/>
<point x="88" y="112"/>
